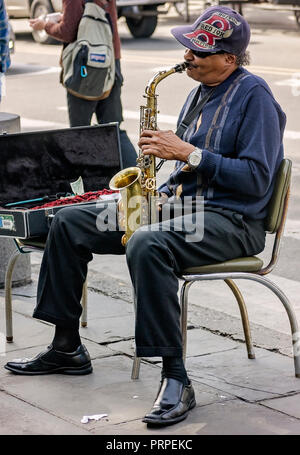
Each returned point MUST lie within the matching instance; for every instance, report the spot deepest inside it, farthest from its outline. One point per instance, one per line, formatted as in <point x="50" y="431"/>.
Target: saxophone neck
<point x="148" y="115"/>
<point x="158" y="77"/>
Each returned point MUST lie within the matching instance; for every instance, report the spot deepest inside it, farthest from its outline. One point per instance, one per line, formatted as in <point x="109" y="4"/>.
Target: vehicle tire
<point x="143" y="27"/>
<point x="38" y="8"/>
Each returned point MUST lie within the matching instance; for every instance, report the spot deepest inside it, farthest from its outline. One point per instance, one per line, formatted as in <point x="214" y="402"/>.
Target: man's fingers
<point x="145" y="149"/>
<point x="143" y="142"/>
<point x="149" y="133"/>
<point x="146" y="133"/>
<point x="151" y="151"/>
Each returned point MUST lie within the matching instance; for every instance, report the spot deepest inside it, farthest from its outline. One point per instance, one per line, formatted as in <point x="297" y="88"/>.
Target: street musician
<point x="227" y="149"/>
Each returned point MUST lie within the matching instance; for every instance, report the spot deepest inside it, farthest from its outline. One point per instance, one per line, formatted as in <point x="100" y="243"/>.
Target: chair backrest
<point x="277" y="202"/>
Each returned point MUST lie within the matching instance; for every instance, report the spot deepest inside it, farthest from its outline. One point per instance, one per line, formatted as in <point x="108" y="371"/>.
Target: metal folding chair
<point x="249" y="268"/>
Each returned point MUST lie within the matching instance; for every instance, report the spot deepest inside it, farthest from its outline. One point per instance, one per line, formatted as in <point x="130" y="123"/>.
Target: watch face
<point x="194" y="159"/>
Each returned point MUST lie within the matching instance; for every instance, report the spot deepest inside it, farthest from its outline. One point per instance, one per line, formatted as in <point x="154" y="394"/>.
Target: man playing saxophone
<point x="227" y="149"/>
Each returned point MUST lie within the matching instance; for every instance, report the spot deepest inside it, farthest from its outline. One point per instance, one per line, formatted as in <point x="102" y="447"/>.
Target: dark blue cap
<point x="219" y="28"/>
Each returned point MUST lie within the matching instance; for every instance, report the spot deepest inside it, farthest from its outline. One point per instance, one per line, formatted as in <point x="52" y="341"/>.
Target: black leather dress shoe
<point x="52" y="361"/>
<point x="173" y="402"/>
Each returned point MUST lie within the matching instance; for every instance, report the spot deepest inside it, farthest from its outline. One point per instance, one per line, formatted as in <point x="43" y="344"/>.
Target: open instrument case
<point x="42" y="164"/>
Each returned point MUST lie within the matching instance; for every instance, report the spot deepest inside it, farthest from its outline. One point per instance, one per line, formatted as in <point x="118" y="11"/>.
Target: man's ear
<point x="230" y="58"/>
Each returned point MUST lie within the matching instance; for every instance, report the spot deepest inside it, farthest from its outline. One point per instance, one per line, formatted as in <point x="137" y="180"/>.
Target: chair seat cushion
<point x="247" y="264"/>
<point x="35" y="242"/>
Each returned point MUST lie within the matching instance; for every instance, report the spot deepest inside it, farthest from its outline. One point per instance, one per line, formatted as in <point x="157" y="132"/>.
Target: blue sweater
<point x="241" y="135"/>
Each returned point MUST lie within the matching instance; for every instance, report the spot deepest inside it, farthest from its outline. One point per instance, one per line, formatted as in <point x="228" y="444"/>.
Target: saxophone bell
<point x="125" y="178"/>
<point x="127" y="181"/>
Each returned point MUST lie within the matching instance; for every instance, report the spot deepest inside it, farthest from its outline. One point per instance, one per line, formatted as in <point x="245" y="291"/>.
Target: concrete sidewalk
<point x="234" y="395"/>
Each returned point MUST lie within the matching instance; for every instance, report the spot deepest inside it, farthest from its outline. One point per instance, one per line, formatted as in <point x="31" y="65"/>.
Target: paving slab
<point x="200" y="342"/>
<point x="29" y="290"/>
<point x="288" y="405"/>
<point x="227" y="325"/>
<point x="109" y="329"/>
<point x="240" y="418"/>
<point x="20" y="304"/>
<point x="27" y="332"/>
<point x="110" y="285"/>
<point x="216" y="419"/>
<point x="99" y="305"/>
<point x="137" y="427"/>
<point x="109" y="320"/>
<point x="20" y="418"/>
<point x="114" y="265"/>
<point x="267" y="376"/>
<point x="263" y="306"/>
<point x="102" y="306"/>
<point x="108" y="390"/>
<point x="234" y="417"/>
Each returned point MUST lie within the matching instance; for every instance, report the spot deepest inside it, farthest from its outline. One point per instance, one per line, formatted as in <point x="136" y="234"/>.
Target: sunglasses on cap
<point x="201" y="54"/>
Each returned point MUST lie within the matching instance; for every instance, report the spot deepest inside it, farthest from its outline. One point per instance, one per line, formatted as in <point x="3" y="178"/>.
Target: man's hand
<point x="164" y="144"/>
<point x="37" y="24"/>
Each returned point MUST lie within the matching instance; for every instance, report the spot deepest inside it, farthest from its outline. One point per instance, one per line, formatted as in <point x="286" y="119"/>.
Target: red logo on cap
<point x="214" y="28"/>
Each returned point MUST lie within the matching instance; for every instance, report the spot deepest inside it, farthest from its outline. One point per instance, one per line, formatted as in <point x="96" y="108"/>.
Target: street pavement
<point x="234" y="395"/>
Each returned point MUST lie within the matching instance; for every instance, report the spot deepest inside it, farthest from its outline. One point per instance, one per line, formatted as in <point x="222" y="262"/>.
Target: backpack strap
<point x="107" y="21"/>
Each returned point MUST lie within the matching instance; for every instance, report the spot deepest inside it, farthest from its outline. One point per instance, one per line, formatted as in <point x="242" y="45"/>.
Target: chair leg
<point x="135" y="372"/>
<point x="84" y="305"/>
<point x="184" y="310"/>
<point x="244" y="315"/>
<point x="8" y="299"/>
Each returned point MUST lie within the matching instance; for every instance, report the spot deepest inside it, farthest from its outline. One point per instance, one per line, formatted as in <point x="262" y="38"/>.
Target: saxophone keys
<point x="124" y="240"/>
<point x="151" y="184"/>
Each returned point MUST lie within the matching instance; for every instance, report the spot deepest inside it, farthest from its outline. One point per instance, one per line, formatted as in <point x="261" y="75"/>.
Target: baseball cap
<point x="219" y="28"/>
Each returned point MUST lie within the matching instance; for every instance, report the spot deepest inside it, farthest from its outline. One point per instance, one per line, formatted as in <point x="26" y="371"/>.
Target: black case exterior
<point x="43" y="163"/>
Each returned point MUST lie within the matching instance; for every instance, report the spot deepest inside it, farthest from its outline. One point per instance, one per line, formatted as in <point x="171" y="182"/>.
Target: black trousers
<point x="156" y="255"/>
<point x="107" y="110"/>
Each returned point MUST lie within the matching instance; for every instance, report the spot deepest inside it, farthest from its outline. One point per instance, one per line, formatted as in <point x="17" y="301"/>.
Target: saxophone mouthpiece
<point x="181" y="67"/>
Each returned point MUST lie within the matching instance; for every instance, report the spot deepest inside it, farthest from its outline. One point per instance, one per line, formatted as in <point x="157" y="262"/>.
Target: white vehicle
<point x="140" y="15"/>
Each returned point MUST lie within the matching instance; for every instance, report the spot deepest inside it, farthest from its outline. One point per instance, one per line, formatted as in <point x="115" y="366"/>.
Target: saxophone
<point x="137" y="185"/>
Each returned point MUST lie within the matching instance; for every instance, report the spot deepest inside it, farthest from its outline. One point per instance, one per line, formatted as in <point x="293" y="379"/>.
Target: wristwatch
<point x="194" y="158"/>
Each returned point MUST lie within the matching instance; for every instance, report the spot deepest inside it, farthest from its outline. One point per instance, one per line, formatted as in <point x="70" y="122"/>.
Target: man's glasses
<point x="205" y="54"/>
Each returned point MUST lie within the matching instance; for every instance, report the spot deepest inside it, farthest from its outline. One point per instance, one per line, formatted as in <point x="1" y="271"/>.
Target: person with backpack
<point x="81" y="110"/>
